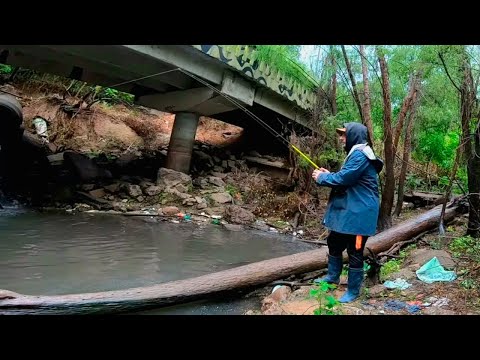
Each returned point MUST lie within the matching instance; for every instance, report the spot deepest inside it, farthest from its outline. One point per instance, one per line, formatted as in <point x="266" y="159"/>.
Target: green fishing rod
<point x="305" y="157"/>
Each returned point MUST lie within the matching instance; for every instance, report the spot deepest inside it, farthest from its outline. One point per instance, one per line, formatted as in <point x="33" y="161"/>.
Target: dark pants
<point x="338" y="242"/>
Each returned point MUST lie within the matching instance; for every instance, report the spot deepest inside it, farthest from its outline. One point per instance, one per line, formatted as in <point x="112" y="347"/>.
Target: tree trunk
<point x="182" y="291"/>
<point x="334" y="84"/>
<point x="441" y="228"/>
<point x="406" y="155"/>
<point x="406" y="105"/>
<point x="385" y="218"/>
<point x="471" y="148"/>
<point x="473" y="170"/>
<point x="354" y="84"/>
<point x="468" y="98"/>
<point x="367" y="112"/>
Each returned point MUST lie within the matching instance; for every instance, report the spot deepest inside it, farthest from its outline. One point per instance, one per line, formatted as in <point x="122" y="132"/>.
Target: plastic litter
<point x="398" y="283"/>
<point x="41" y="127"/>
<point x="276" y="287"/>
<point x="433" y="271"/>
<point x="396" y="305"/>
<point x="438" y="302"/>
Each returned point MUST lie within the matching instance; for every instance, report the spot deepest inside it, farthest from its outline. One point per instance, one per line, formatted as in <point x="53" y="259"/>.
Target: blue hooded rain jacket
<point x="353" y="206"/>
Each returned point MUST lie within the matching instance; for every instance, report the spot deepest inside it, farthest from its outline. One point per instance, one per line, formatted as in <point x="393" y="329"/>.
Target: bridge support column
<point x="182" y="140"/>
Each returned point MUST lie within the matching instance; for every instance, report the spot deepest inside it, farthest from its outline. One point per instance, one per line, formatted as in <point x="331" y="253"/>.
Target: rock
<point x="231" y="163"/>
<point x="376" y="290"/>
<point x="201" y="182"/>
<point x="217" y="169"/>
<point x="170" y="210"/>
<point x="125" y="159"/>
<point x="189" y="202"/>
<point x="215" y="211"/>
<point x="269" y="307"/>
<point x="134" y="190"/>
<point x="303" y="292"/>
<point x="281" y="293"/>
<point x="83" y="207"/>
<point x="177" y="193"/>
<point x="405" y="273"/>
<point x="216" y="181"/>
<point x="242" y="165"/>
<point x="224" y="164"/>
<point x="421" y="256"/>
<point x="202" y="206"/>
<point x="201" y="202"/>
<point x="97" y="193"/>
<point x="153" y="190"/>
<point x="437" y="311"/>
<point x="145" y="185"/>
<point x="85" y="168"/>
<point x="260" y="225"/>
<point x="119" y="206"/>
<point x="300" y="307"/>
<point x="233" y="227"/>
<point x="170" y="178"/>
<point x="221" y="198"/>
<point x="218" y="174"/>
<point x="140" y="198"/>
<point x="230" y="181"/>
<point x="87" y="187"/>
<point x="217" y="160"/>
<point x="181" y="188"/>
<point x="203" y="157"/>
<point x="239" y="215"/>
<point x="113" y="188"/>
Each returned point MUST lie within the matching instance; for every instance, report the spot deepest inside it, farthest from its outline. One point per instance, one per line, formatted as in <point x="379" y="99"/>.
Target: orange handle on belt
<point x="358" y="242"/>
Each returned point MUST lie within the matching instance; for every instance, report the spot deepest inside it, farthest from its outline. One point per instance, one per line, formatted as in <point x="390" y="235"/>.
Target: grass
<point x="281" y="58"/>
<point x="394" y="265"/>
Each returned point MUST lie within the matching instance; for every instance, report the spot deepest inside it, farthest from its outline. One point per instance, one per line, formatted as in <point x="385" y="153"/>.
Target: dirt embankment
<point x="104" y="128"/>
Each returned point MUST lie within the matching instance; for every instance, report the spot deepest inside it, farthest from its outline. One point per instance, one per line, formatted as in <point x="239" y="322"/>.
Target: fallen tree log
<point x="243" y="277"/>
<point x="419" y="198"/>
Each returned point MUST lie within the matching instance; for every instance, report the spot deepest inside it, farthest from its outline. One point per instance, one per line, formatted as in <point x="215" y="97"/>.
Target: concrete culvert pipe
<point x="11" y="114"/>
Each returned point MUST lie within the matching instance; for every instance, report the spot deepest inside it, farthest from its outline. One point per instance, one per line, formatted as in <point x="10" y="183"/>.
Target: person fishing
<point x="353" y="207"/>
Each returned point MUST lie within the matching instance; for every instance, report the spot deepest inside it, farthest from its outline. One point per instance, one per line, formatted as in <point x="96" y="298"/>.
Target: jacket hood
<point x="356" y="134"/>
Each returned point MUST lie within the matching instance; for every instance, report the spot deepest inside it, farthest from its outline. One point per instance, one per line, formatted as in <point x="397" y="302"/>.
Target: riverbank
<point x="400" y="290"/>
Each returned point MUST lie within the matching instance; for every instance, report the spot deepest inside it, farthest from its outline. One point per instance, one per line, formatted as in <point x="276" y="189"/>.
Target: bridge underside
<point x="151" y="74"/>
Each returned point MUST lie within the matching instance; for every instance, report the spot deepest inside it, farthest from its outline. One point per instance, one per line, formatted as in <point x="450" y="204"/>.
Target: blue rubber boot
<point x="334" y="270"/>
<point x="355" y="279"/>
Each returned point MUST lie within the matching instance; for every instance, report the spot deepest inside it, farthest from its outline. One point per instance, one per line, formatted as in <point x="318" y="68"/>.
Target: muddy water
<point x="52" y="254"/>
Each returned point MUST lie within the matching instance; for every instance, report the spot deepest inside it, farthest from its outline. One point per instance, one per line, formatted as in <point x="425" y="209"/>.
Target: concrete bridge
<point x="181" y="79"/>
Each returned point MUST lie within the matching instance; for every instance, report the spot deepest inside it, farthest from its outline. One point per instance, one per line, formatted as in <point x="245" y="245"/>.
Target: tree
<point x="354" y="84"/>
<point x="406" y="150"/>
<point x="470" y="143"/>
<point x="385" y="219"/>
<point x="367" y="111"/>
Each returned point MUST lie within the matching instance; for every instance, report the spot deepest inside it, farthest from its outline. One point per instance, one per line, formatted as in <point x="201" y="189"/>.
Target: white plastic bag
<point x="41" y="127"/>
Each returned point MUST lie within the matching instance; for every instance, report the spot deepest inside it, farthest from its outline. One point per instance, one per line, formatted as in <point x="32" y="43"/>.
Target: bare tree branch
<point x="354" y="85"/>
<point x="448" y="74"/>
